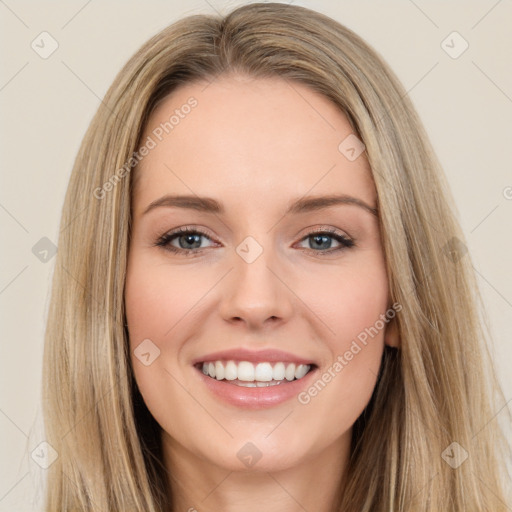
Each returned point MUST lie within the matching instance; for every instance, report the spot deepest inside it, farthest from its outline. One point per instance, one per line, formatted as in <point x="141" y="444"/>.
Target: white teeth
<point x="301" y="370"/>
<point x="267" y="384"/>
<point x="263" y="372"/>
<point x="219" y="370"/>
<point x="230" y="371"/>
<point x="290" y="372"/>
<point x="249" y="375"/>
<point x="278" y="371"/>
<point x="245" y="371"/>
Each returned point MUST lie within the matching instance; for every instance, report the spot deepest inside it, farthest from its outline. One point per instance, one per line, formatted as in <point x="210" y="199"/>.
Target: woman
<point x="263" y="299"/>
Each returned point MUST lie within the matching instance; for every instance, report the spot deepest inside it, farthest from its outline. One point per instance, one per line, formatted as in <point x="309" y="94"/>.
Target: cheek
<point x="353" y="306"/>
<point x="362" y="301"/>
<point x="349" y="300"/>
<point x="157" y="299"/>
<point x="163" y="305"/>
<point x="153" y="307"/>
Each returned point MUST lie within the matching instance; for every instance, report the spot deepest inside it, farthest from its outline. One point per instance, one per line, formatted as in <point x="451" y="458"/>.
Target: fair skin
<point x="255" y="146"/>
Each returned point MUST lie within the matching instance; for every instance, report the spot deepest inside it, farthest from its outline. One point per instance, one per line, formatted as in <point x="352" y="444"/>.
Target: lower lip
<point x="256" y="398"/>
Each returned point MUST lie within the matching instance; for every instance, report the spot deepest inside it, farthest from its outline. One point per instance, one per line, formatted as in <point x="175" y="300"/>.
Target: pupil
<point x="322" y="239"/>
<point x="189" y="239"/>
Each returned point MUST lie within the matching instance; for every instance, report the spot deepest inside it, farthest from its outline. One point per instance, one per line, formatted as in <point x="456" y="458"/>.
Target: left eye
<point x="323" y="241"/>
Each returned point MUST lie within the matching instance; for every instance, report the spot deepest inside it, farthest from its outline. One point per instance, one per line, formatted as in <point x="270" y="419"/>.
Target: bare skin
<point x="255" y="146"/>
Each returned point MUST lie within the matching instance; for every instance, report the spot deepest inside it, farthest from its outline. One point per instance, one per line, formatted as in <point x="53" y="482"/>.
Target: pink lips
<point x="255" y="397"/>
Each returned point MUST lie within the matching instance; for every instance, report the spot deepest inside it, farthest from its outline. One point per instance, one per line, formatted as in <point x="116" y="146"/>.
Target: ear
<point x="391" y="335"/>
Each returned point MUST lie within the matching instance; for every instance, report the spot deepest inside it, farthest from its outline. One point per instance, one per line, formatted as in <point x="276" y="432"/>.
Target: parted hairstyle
<point x="439" y="387"/>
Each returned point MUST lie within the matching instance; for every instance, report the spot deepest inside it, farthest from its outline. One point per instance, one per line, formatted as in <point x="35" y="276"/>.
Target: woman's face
<point x="270" y="270"/>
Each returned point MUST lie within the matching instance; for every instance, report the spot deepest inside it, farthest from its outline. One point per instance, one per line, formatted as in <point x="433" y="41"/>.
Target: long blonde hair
<point x="439" y="388"/>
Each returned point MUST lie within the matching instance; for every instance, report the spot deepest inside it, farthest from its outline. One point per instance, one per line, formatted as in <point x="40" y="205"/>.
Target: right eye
<point x="189" y="241"/>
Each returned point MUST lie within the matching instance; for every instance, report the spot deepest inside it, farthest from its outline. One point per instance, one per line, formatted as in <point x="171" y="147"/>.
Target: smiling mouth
<point x="247" y="374"/>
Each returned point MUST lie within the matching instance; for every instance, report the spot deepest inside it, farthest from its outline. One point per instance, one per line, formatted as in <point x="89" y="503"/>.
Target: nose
<point x="256" y="294"/>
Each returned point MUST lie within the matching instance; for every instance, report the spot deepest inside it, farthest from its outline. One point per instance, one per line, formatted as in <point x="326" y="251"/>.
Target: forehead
<point x="243" y="138"/>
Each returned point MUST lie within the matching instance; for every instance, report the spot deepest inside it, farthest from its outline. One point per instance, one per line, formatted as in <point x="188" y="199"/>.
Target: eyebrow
<point x="303" y="205"/>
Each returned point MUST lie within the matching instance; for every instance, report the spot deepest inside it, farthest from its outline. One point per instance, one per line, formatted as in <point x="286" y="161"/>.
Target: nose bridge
<point x="253" y="292"/>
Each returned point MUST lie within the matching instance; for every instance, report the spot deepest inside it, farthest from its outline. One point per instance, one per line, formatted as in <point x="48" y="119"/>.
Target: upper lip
<point x="253" y="356"/>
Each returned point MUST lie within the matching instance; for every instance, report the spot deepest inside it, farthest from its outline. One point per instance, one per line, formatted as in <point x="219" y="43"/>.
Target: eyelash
<point x="165" y="240"/>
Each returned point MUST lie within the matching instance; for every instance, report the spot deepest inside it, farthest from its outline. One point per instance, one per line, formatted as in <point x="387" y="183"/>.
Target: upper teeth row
<point x="247" y="371"/>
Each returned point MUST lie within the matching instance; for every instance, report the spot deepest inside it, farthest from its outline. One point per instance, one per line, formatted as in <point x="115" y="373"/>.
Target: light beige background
<point x="46" y="104"/>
